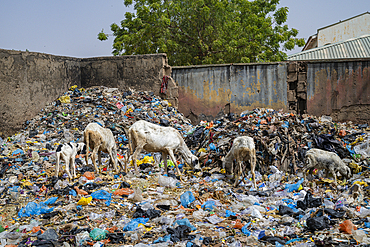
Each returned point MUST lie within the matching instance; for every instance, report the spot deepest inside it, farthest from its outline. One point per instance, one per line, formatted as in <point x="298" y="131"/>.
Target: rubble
<point x="200" y="209"/>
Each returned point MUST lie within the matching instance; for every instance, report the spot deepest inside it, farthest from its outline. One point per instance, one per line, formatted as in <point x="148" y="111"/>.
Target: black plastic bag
<point x="309" y="202"/>
<point x="285" y="210"/>
<point x="272" y="239"/>
<point x="150" y="213"/>
<point x="333" y="213"/>
<point x="116" y="237"/>
<point x="180" y="233"/>
<point x="317" y="223"/>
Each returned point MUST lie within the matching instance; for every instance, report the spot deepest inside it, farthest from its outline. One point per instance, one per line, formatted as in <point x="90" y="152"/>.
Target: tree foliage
<point x="195" y="32"/>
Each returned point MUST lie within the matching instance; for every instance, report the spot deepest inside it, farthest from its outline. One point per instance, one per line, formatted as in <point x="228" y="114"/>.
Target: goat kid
<point x="100" y="139"/>
<point x="243" y="149"/>
<point x="150" y="137"/>
<point x="329" y="161"/>
<point x="68" y="152"/>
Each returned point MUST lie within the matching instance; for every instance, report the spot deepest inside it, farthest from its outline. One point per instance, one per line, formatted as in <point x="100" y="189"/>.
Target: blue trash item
<point x="187" y="198"/>
<point x="212" y="147"/>
<point x="229" y="213"/>
<point x="102" y="195"/>
<point x="367" y="224"/>
<point x="208" y="205"/>
<point x="245" y="230"/>
<point x="185" y="222"/>
<point x="33" y="208"/>
<point x="277" y="244"/>
<point x="162" y="239"/>
<point x="294" y="240"/>
<point x="261" y="235"/>
<point x="294" y="187"/>
<point x="51" y="200"/>
<point x="18" y="151"/>
<point x="133" y="224"/>
<point x="98" y="234"/>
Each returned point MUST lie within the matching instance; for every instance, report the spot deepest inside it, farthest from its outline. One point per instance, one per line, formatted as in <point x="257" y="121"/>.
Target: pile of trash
<point x="200" y="209"/>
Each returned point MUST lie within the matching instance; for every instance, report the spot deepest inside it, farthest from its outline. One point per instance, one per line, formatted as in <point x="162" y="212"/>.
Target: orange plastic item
<point x="43" y="188"/>
<point x="112" y="229"/>
<point x="263" y="121"/>
<point x="80" y="192"/>
<point x="347" y="227"/>
<point x="342" y="133"/>
<point x="36" y="229"/>
<point x="89" y="175"/>
<point x="238" y="224"/>
<point x="124" y="191"/>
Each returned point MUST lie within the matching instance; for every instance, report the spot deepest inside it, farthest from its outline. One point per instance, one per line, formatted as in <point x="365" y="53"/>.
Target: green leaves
<point x="102" y="36"/>
<point x="205" y="31"/>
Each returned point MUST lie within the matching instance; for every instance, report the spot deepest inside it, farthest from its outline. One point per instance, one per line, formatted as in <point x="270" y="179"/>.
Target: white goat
<point x="321" y="159"/>
<point x="150" y="137"/>
<point x="68" y="152"/>
<point x="100" y="139"/>
<point x="243" y="149"/>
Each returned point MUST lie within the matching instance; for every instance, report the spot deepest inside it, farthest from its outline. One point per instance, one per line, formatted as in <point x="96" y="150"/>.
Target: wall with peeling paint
<point x="339" y="89"/>
<point x="205" y="90"/>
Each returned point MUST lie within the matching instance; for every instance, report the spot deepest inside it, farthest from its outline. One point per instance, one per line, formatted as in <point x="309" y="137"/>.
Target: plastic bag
<point x="187" y="198"/>
<point x="84" y="201"/>
<point x="167" y="182"/>
<point x="309" y="202"/>
<point x="33" y="208"/>
<point x="98" y="234"/>
<point x="102" y="195"/>
<point x="208" y="205"/>
<point x="347" y="227"/>
<point x="294" y="187"/>
<point x="317" y="223"/>
<point x="185" y="222"/>
<point x="133" y="224"/>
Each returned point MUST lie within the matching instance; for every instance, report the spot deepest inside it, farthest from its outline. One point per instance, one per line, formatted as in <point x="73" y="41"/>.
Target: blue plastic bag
<point x="185" y="222"/>
<point x="187" y="198"/>
<point x="73" y="193"/>
<point x="212" y="147"/>
<point x="33" y="208"/>
<point x="102" y="195"/>
<point x="245" y="230"/>
<point x="208" y="205"/>
<point x="133" y="224"/>
<point x="294" y="187"/>
<point x="229" y="213"/>
<point x="51" y="200"/>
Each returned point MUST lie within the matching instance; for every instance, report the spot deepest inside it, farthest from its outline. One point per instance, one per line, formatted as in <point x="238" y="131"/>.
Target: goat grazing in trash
<point x="243" y="149"/>
<point x="321" y="159"/>
<point x="68" y="152"/>
<point x="100" y="139"/>
<point x="150" y="137"/>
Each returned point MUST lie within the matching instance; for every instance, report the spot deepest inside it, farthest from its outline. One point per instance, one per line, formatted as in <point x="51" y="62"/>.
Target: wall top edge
<point x="227" y="64"/>
<point x="88" y="58"/>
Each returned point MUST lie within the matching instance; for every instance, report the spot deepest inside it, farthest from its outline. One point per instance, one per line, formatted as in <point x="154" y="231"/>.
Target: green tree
<point x="195" y="32"/>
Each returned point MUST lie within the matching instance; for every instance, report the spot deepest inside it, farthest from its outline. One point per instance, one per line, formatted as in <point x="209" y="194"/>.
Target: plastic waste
<point x="168" y="182"/>
<point x="102" y="195"/>
<point x="98" y="234"/>
<point x="317" y="223"/>
<point x="187" y="198"/>
<point x="347" y="227"/>
<point x="185" y="222"/>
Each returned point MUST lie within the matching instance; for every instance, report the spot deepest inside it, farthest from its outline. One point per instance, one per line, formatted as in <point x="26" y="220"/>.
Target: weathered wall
<point x="204" y="91"/>
<point x="340" y="89"/>
<point x="29" y="81"/>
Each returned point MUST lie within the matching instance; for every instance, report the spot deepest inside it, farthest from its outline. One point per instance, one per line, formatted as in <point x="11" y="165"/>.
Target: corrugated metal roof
<point x="353" y="48"/>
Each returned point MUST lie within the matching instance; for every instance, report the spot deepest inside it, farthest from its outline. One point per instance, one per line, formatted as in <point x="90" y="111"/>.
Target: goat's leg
<point x="170" y="152"/>
<point x="93" y="157"/>
<point x="164" y="159"/>
<point x="57" y="168"/>
<point x="332" y="170"/>
<point x="113" y="156"/>
<point x="73" y="165"/>
<point x="134" y="156"/>
<point x="68" y="161"/>
<point x="237" y="173"/>
<point x="253" y="160"/>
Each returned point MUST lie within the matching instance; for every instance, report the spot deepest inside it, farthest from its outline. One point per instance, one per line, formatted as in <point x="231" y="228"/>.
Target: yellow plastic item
<point x="65" y="99"/>
<point x="84" y="201"/>
<point x="145" y="160"/>
<point x="202" y="150"/>
<point x="361" y="183"/>
<point x="355" y="167"/>
<point x="73" y="87"/>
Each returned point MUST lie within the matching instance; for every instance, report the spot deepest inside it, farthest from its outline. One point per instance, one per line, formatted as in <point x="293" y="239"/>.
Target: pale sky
<point x="70" y="27"/>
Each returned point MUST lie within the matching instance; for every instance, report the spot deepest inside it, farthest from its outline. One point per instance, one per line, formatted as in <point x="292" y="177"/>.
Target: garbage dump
<point x="198" y="208"/>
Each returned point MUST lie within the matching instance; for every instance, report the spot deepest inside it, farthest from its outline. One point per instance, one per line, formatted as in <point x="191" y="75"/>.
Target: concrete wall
<point x="340" y="89"/>
<point x="206" y="91"/>
<point x="29" y="81"/>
